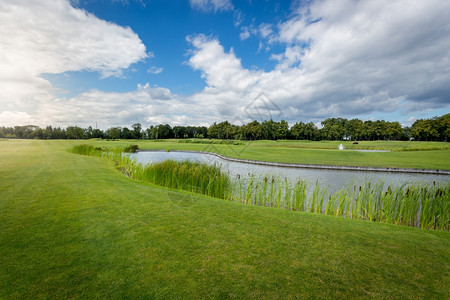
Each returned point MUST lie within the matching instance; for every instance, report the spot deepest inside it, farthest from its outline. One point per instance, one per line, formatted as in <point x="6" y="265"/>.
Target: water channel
<point x="332" y="179"/>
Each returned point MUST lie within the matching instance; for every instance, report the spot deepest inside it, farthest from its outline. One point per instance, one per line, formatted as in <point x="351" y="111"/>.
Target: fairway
<point x="73" y="226"/>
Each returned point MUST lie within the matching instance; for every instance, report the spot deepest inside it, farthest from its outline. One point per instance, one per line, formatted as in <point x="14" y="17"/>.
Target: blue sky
<point x="163" y="27"/>
<point x="195" y="62"/>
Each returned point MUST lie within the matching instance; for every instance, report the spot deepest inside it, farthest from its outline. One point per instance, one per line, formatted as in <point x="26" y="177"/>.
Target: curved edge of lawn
<point x="313" y="166"/>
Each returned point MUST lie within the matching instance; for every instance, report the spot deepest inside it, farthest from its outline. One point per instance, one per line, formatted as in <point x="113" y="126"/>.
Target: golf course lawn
<point x="73" y="226"/>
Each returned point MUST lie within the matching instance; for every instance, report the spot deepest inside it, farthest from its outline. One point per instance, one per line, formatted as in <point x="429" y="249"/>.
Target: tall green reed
<point x="190" y="176"/>
<point x="405" y="203"/>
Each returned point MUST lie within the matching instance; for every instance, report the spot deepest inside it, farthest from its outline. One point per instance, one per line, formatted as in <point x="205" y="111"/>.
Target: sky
<point x="105" y="63"/>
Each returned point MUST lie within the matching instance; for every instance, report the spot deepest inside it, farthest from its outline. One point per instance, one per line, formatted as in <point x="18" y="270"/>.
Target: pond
<point x="332" y="179"/>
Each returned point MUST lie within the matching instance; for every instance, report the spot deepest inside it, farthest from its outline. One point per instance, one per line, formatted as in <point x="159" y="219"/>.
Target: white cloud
<point x="53" y="37"/>
<point x="238" y="17"/>
<point x="212" y="5"/>
<point x="147" y="105"/>
<point x="409" y="121"/>
<point x="265" y="30"/>
<point x="9" y="118"/>
<point x="39" y="37"/>
<point x="220" y="70"/>
<point x="342" y="58"/>
<point x="155" y="70"/>
<point x="245" y="34"/>
<point x="109" y="109"/>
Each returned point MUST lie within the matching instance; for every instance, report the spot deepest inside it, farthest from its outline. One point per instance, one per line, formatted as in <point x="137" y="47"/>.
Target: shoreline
<point x="311" y="166"/>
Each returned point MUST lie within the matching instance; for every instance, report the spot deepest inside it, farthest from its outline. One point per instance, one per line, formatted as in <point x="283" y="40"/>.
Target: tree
<point x="333" y="128"/>
<point x="223" y="130"/>
<point x="269" y="129"/>
<point x="443" y="127"/>
<point x="394" y="130"/>
<point x="75" y="132"/>
<point x="367" y="132"/>
<point x="312" y="133"/>
<point x="298" y="131"/>
<point x="137" y="131"/>
<point x="354" y="128"/>
<point x="114" y="133"/>
<point x="179" y="132"/>
<point x="97" y="133"/>
<point x="283" y="129"/>
<point x="252" y="131"/>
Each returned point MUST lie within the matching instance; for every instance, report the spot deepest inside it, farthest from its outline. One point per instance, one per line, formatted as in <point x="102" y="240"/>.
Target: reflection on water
<point x="333" y="179"/>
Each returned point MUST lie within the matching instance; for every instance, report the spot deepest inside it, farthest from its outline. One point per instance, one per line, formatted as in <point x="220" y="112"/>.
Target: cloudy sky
<point x="194" y="62"/>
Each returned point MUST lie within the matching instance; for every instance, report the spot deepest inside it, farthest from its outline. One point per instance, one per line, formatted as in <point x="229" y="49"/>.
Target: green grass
<point x="426" y="155"/>
<point x="363" y="145"/>
<point x="73" y="226"/>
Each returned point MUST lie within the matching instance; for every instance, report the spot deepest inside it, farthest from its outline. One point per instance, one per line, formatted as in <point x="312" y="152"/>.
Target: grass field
<point x="73" y="226"/>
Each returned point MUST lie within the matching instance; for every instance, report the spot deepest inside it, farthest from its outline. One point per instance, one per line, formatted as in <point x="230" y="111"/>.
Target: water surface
<point x="333" y="179"/>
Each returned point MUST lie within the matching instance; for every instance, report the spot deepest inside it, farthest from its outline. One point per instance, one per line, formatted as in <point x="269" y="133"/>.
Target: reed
<point x="87" y="150"/>
<point x="406" y="203"/>
<point x="299" y="195"/>
<point x="249" y="193"/>
<point x="190" y="176"/>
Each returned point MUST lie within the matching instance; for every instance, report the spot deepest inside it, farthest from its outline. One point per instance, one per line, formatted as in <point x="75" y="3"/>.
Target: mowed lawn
<point x="73" y="226"/>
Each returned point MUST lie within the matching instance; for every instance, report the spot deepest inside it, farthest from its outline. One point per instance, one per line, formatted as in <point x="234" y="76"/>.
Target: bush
<point x="131" y="149"/>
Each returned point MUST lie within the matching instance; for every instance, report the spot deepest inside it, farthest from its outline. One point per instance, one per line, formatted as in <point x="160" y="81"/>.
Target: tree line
<point x="434" y="129"/>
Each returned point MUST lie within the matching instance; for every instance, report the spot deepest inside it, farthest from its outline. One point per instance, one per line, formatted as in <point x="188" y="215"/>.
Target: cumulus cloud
<point x="212" y="5"/>
<point x="395" y="47"/>
<point x="108" y="108"/>
<point x="39" y="37"/>
<point x="146" y="104"/>
<point x="342" y="58"/>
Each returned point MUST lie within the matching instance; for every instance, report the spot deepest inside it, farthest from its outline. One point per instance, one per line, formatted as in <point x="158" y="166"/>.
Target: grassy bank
<point x="73" y="226"/>
<point x="418" y="155"/>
